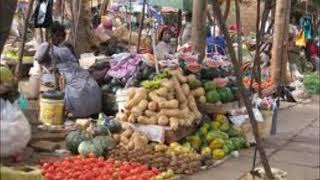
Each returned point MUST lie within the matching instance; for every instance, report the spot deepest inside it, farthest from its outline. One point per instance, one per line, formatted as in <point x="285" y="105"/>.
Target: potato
<point x="185" y="89"/>
<point x="153" y="106"/>
<point x="162" y="91"/>
<point x="154" y="97"/>
<point x="140" y="94"/>
<point x="198" y="92"/>
<point x="163" y="120"/>
<point x="172" y="104"/>
<point x="179" y="93"/>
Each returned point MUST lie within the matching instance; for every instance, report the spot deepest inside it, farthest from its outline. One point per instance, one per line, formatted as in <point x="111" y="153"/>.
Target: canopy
<point x="179" y="4"/>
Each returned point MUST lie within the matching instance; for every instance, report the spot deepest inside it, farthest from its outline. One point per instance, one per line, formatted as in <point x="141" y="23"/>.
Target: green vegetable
<point x="237" y="142"/>
<point x="225" y="95"/>
<point x="114" y="126"/>
<point x="209" y="86"/>
<point x="153" y="84"/>
<point x="101" y="130"/>
<point x="195" y="142"/>
<point x="226" y="150"/>
<point x="232" y="132"/>
<point x="230" y="145"/>
<point x="203" y="130"/>
<point x="195" y="84"/>
<point x="216" y="125"/>
<point x="312" y="83"/>
<point x="213" y="96"/>
<point x="187" y="145"/>
<point x="205" y="150"/>
<point x="225" y="127"/>
<point x="162" y="75"/>
<point x="73" y="140"/>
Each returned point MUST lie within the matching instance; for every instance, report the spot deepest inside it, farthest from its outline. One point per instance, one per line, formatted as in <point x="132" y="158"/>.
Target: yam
<point x="121" y="117"/>
<point x="185" y="89"/>
<point x="172" y="104"/>
<point x="198" y="92"/>
<point x="173" y="113"/>
<point x="193" y="107"/>
<point x="179" y="93"/>
<point x="132" y="118"/>
<point x="202" y="99"/>
<point x="174" y="123"/>
<point x="191" y="77"/>
<point x="140" y="94"/>
<point x="179" y="75"/>
<point x="136" y="111"/>
<point x="150" y="113"/>
<point x="131" y="93"/>
<point x="127" y="133"/>
<point x="153" y="106"/>
<point x="163" y="120"/>
<point x="130" y="146"/>
<point x="154" y="97"/>
<point x="146" y="120"/>
<point x="124" y="139"/>
<point x="170" y="95"/>
<point x="162" y="91"/>
<point x="167" y="83"/>
<point x="143" y="104"/>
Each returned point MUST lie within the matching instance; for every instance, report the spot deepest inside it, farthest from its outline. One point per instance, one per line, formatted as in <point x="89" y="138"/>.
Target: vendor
<point x="186" y="33"/>
<point x="82" y="93"/>
<point x="164" y="48"/>
<point x="104" y="30"/>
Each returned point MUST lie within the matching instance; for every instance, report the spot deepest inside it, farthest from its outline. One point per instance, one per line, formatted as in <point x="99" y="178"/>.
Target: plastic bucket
<point x="51" y="111"/>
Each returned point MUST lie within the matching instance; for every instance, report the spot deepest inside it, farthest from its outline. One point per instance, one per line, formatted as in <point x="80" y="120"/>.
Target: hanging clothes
<point x="42" y="16"/>
<point x="306" y="25"/>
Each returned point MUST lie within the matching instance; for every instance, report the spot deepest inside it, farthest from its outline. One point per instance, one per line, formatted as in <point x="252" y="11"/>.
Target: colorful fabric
<point x="306" y="25"/>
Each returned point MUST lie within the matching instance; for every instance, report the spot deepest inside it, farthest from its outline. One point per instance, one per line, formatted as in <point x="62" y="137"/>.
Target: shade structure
<point x="179" y="4"/>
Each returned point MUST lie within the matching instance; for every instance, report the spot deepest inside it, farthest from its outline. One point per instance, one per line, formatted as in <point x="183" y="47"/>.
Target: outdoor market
<point x="150" y="89"/>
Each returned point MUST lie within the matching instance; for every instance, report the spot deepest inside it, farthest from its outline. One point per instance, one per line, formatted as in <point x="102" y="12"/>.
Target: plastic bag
<point x="15" y="129"/>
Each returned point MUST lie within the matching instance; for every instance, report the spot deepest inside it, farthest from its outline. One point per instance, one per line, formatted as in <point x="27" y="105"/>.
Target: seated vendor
<point x="104" y="30"/>
<point x="82" y="93"/>
<point x="164" y="48"/>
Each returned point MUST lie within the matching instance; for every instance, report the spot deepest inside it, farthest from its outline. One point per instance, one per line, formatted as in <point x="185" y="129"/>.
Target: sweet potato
<point x="193" y="107"/>
<point x="167" y="83"/>
<point x="131" y="118"/>
<point x="150" y="113"/>
<point x="162" y="91"/>
<point x="172" y="104"/>
<point x="174" y="123"/>
<point x="173" y="113"/>
<point x="202" y="99"/>
<point x="131" y="93"/>
<point x="179" y="75"/>
<point x="127" y="133"/>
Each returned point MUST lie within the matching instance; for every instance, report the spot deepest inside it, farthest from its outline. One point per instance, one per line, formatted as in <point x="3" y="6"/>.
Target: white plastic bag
<point x="15" y="129"/>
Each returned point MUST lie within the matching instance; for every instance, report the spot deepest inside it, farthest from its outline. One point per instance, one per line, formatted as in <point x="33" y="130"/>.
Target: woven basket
<point x="216" y="108"/>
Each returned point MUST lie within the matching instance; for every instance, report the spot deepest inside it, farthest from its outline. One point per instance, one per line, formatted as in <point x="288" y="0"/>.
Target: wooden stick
<point x="238" y="20"/>
<point x="23" y="42"/>
<point x="141" y="25"/>
<point x="243" y="92"/>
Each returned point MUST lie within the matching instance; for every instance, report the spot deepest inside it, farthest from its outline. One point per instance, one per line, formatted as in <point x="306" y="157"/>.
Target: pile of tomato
<point x="93" y="168"/>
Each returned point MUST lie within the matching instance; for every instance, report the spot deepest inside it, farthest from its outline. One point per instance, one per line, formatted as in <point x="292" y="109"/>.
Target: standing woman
<point x="82" y="93"/>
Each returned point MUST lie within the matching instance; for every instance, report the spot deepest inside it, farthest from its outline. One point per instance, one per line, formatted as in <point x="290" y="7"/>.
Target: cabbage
<point x="312" y="83"/>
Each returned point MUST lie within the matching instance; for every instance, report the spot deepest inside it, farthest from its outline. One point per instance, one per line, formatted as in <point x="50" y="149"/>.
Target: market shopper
<point x="82" y="93"/>
<point x="187" y="30"/>
<point x="164" y="49"/>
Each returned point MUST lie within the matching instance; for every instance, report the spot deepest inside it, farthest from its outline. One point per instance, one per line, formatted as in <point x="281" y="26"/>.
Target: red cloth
<point x="313" y="49"/>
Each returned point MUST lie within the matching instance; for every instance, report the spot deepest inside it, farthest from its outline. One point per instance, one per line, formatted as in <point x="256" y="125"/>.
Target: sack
<point x="300" y="39"/>
<point x="15" y="129"/>
<point x="42" y="16"/>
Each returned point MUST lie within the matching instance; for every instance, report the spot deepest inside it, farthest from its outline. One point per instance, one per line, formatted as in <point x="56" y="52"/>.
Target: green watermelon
<point x="213" y="96"/>
<point x="225" y="95"/>
<point x="209" y="86"/>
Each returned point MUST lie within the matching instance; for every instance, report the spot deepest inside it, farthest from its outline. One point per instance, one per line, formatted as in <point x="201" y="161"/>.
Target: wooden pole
<point x="244" y="93"/>
<point x="141" y="25"/>
<point x="23" y="42"/>
<point x="278" y="63"/>
<point x="239" y="27"/>
<point x="198" y="36"/>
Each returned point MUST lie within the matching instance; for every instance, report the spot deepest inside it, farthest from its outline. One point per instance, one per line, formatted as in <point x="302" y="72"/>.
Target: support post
<point x="198" y="36"/>
<point x="23" y="42"/>
<point x="141" y="25"/>
<point x="239" y="27"/>
<point x="244" y="93"/>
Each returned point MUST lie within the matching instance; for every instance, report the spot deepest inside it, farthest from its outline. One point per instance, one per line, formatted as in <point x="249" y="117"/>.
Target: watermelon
<point x="225" y="94"/>
<point x="209" y="86"/>
<point x="213" y="96"/>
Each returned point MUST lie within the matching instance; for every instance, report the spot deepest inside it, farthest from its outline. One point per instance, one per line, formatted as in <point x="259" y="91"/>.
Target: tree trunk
<point x="82" y="35"/>
<point x="198" y="36"/>
<point x="7" y="9"/>
<point x="280" y="39"/>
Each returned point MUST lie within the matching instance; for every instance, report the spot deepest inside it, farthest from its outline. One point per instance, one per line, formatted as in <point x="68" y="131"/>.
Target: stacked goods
<point x="217" y="138"/>
<point x="133" y="140"/>
<point x="168" y="175"/>
<point x="165" y="101"/>
<point x="78" y="167"/>
<point x="175" y="157"/>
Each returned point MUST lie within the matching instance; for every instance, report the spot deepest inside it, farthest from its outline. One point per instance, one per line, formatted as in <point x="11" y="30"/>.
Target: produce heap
<point x="167" y="100"/>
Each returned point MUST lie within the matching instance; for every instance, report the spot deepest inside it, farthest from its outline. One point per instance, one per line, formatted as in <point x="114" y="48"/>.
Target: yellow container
<point x="51" y="111"/>
<point x="21" y="173"/>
